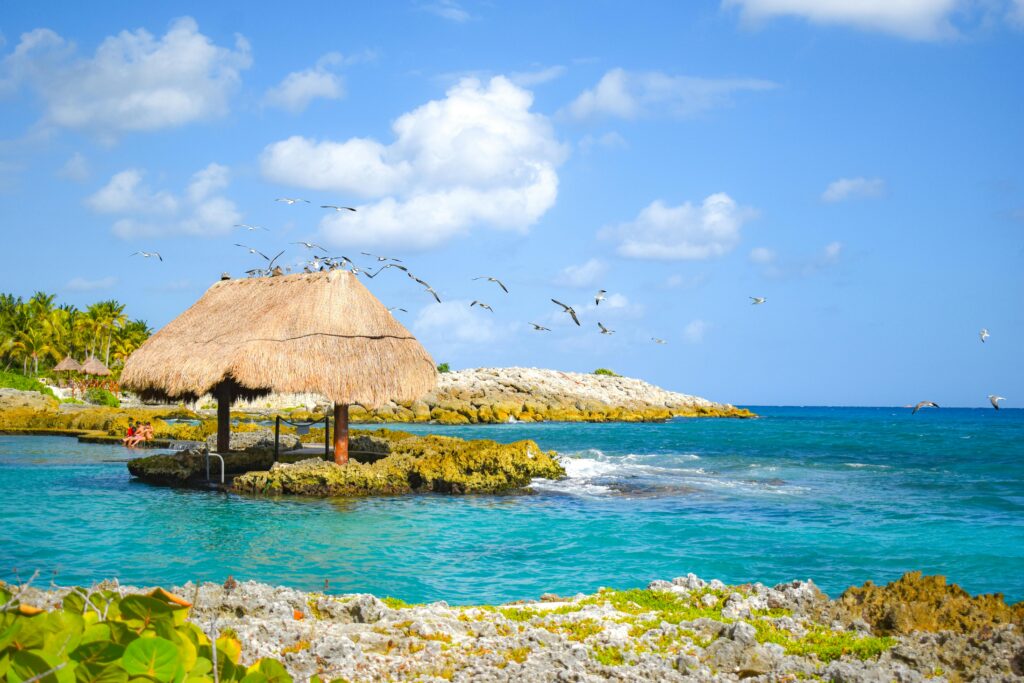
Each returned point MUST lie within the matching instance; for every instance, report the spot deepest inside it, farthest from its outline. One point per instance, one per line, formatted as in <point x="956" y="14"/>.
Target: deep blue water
<point x="840" y="495"/>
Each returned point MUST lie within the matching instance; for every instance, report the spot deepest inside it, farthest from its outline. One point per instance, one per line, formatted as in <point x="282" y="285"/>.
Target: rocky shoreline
<point x="915" y="629"/>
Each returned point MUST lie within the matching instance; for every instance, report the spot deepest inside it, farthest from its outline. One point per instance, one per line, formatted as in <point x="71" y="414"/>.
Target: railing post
<point x="277" y="436"/>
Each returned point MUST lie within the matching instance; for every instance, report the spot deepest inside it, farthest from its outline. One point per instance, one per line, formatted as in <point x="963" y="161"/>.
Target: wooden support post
<point x="340" y="434"/>
<point x="277" y="437"/>
<point x="223" y="393"/>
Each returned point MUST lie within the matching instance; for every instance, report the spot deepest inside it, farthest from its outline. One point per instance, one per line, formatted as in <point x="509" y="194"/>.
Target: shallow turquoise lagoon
<point x="840" y="495"/>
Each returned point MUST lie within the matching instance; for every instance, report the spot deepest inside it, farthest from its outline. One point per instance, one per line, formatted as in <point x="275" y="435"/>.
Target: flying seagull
<point x="493" y="279"/>
<point x="386" y="265"/>
<point x="336" y="208"/>
<point x="924" y="404"/>
<point x="147" y="254"/>
<point x="434" y="294"/>
<point x="481" y="304"/>
<point x="605" y="330"/>
<point x="251" y="227"/>
<point x="271" y="263"/>
<point x="252" y="251"/>
<point x="291" y="200"/>
<point x="658" y="341"/>
<point x="381" y="258"/>
<point x="540" y="328"/>
<point x="983" y="335"/>
<point x="757" y="300"/>
<point x="994" y="400"/>
<point x="599" y="297"/>
<point x="311" y="245"/>
<point x="569" y="310"/>
<point x="396" y="308"/>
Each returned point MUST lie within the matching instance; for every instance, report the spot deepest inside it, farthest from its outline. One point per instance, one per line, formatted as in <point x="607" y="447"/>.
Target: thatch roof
<point x="69" y="364"/>
<point x="321" y="333"/>
<point x="94" y="366"/>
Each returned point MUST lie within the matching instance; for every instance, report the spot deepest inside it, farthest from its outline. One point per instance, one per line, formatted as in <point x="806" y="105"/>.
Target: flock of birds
<point x="317" y="262"/>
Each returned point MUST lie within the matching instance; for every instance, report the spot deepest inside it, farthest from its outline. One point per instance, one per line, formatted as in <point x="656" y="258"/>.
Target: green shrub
<point x="443" y="367"/>
<point x="101" y="636"/>
<point x="73" y="401"/>
<point x="14" y="380"/>
<point x="101" y="397"/>
<point x="606" y="371"/>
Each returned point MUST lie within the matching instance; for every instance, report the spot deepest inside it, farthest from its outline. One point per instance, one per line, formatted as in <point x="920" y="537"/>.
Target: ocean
<point x="837" y="495"/>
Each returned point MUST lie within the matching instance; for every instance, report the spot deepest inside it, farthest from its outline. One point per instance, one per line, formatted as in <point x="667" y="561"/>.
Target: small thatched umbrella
<point x="321" y="333"/>
<point x="69" y="364"/>
<point x="94" y="366"/>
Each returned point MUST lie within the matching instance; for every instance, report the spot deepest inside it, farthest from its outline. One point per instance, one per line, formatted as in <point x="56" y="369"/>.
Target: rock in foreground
<point x="685" y="630"/>
<point x="405" y="463"/>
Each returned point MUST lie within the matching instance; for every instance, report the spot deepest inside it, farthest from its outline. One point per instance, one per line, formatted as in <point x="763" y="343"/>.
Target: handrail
<point x="208" y="454"/>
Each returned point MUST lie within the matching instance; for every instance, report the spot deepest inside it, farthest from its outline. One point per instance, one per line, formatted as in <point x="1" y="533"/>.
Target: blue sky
<point x="856" y="162"/>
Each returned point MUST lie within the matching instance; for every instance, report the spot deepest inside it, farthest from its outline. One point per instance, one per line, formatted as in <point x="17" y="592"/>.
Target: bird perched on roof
<point x="494" y="280"/>
<point x="291" y="200"/>
<point x="481" y="304"/>
<point x="252" y="250"/>
<point x="540" y="328"/>
<point x="599" y="297"/>
<point x="924" y="404"/>
<point x="148" y="254"/>
<point x="568" y="309"/>
<point x="757" y="300"/>
<point x="605" y="330"/>
<point x="250" y="228"/>
<point x="994" y="400"/>
<point x="983" y="335"/>
<point x="336" y="208"/>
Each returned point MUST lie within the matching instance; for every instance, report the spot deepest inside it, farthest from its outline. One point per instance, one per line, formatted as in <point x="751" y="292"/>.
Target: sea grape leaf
<point x="202" y="667"/>
<point x="273" y="670"/>
<point x="187" y="653"/>
<point x="120" y="632"/>
<point x="26" y="664"/>
<point x="99" y="673"/>
<point x="230" y="647"/>
<point x="8" y="634"/>
<point x="63" y="632"/>
<point x="98" y="652"/>
<point x="156" y="658"/>
<point x="96" y="633"/>
<point x="5" y="664"/>
<point x="139" y="608"/>
<point x="74" y="601"/>
<point x="255" y="677"/>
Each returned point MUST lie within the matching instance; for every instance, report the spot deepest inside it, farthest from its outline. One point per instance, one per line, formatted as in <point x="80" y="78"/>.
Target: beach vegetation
<point x="609" y="656"/>
<point x="102" y="397"/>
<point x="606" y="372"/>
<point x="101" y="635"/>
<point x="13" y="380"/>
<point x="824" y="643"/>
<point x="444" y="367"/>
<point x="396" y="603"/>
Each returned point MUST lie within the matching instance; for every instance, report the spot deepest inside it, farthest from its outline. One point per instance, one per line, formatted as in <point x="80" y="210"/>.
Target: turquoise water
<point x="840" y="495"/>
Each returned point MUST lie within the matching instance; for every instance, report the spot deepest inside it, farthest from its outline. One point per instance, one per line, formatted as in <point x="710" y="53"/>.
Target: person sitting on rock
<point x="144" y="432"/>
<point x="130" y="434"/>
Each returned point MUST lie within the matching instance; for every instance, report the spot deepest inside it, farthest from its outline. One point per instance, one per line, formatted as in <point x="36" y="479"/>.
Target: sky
<point x="858" y="163"/>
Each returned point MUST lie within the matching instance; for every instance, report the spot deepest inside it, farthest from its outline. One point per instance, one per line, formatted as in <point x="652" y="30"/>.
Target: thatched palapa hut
<point x="69" y="364"/>
<point x="321" y="333"/>
<point x="94" y="366"/>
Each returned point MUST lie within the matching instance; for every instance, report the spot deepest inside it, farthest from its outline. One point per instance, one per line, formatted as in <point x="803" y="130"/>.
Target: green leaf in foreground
<point x="153" y="657"/>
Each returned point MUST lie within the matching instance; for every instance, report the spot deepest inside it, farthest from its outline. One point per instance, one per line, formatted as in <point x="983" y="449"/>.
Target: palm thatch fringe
<point x="94" y="366"/>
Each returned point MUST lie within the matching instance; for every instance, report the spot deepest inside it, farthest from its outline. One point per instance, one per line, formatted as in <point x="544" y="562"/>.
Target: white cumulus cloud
<point x="917" y="19"/>
<point x="682" y="233"/>
<point x="586" y="274"/>
<point x="145" y="212"/>
<point x="455" y="321"/>
<point x="762" y="255"/>
<point x="853" y="188"/>
<point x="448" y="9"/>
<point x="133" y="82"/>
<point x="629" y="95"/>
<point x="76" y="168"/>
<point x="478" y="157"/>
<point x="695" y="331"/>
<point x="299" y="88"/>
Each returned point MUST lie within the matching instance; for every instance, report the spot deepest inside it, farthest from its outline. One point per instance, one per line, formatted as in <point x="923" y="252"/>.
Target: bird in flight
<point x="148" y="254"/>
<point x="291" y="200"/>
<point x="251" y="227"/>
<point x="481" y="304"/>
<point x="396" y="308"/>
<point x="599" y="297"/>
<point x="381" y="258"/>
<point x="252" y="250"/>
<point x="493" y="279"/>
<point x="994" y="400"/>
<point x="540" y="328"/>
<point x="605" y="330"/>
<point x="271" y="263"/>
<point x="983" y="335"/>
<point x="311" y="245"/>
<point x="757" y="300"/>
<point x="924" y="404"/>
<point x="387" y="265"/>
<point x="434" y="294"/>
<point x="568" y="309"/>
<point x="658" y="341"/>
<point x="336" y="208"/>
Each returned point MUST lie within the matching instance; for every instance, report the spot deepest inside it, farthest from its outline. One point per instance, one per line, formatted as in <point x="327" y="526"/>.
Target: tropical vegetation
<point x="36" y="334"/>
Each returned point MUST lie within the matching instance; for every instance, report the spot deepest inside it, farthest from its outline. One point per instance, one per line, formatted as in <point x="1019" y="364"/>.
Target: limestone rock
<point x="261" y="441"/>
